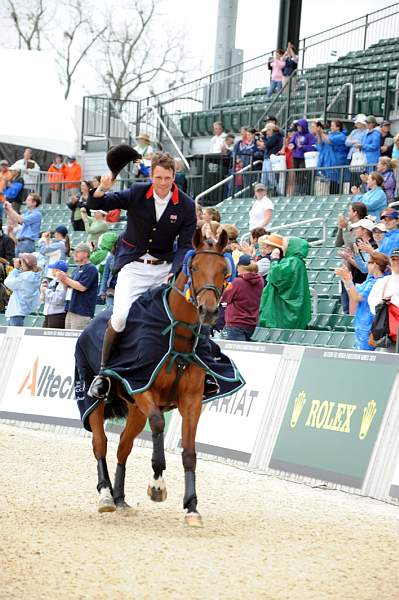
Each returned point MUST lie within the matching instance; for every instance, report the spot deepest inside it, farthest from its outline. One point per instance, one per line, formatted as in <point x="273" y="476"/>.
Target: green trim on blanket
<point x="190" y="357"/>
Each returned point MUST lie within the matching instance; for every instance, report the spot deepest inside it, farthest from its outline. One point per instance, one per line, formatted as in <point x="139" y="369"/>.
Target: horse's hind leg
<point x="99" y="440"/>
<point x="134" y="425"/>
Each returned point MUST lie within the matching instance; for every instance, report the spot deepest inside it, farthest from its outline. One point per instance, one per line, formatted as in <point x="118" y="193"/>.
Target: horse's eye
<point x="194" y="269"/>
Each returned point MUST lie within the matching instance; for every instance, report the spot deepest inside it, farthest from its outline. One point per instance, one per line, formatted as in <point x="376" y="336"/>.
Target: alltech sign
<point x="42" y="379"/>
<point x="334" y="415"/>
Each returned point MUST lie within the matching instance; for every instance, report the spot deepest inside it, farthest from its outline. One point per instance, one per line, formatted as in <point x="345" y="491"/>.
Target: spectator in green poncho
<point x="285" y="302"/>
<point x="105" y="244"/>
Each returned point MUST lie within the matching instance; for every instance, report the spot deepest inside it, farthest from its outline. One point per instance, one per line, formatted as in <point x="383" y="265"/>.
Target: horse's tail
<point x="116" y="409"/>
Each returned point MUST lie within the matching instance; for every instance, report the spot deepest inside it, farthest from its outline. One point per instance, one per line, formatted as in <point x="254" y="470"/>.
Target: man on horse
<point x="161" y="221"/>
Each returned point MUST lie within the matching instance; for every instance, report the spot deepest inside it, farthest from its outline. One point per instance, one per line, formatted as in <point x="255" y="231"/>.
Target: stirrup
<point x="100" y="387"/>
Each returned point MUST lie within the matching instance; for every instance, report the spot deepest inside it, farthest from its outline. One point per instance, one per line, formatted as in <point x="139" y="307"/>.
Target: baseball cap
<point x="4" y="162"/>
<point x="260" y="186"/>
<point x="365" y="223"/>
<point x="390" y="213"/>
<point x="71" y="157"/>
<point x="380" y="227"/>
<point x="62" y="265"/>
<point x="61" y="229"/>
<point x="103" y="212"/>
<point x="371" y="119"/>
<point x="360" y="119"/>
<point x="244" y="260"/>
<point x="82" y="247"/>
<point x="386" y="123"/>
<point x="395" y="253"/>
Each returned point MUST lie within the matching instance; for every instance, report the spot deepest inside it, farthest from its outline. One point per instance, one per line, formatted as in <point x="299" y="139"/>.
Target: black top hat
<point x="119" y="156"/>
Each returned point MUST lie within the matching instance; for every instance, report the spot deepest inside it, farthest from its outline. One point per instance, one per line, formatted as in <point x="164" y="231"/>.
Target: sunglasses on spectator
<point x="387" y="217"/>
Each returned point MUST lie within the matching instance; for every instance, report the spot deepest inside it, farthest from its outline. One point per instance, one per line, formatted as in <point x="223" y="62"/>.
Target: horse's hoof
<point x="122" y="505"/>
<point x="157" y="494"/>
<point x="193" y="519"/>
<point x="106" y="502"/>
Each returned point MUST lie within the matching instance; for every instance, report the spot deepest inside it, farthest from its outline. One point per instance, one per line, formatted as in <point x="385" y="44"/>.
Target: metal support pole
<point x="326" y="92"/>
<point x="289" y="100"/>
<point x="82" y="133"/>
<point x="366" y="24"/>
<point x="386" y="95"/>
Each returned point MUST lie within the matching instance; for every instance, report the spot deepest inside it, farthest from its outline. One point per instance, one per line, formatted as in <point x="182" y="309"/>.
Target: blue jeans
<point x="24" y="246"/>
<point x="344" y="300"/>
<point x="275" y="86"/>
<point x="17" y="321"/>
<point x="238" y="334"/>
<point x="109" y="301"/>
<point x="268" y="178"/>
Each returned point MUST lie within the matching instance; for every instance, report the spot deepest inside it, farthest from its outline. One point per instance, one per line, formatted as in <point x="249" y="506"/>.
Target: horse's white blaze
<point x="158" y="484"/>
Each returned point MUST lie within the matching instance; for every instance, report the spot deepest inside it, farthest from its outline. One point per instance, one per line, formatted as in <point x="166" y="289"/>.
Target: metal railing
<point x="169" y="136"/>
<point x="328" y="46"/>
<point x="225" y="181"/>
<point x="318" y="242"/>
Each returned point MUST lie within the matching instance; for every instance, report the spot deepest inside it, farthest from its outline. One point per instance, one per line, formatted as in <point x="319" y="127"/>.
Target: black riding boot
<point x="101" y="385"/>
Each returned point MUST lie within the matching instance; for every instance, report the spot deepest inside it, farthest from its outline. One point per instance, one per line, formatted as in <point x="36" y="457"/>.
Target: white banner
<point x="229" y="426"/>
<point x="41" y="381"/>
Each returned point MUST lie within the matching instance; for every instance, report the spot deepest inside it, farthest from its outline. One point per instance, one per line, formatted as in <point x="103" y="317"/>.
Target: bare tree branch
<point x="72" y="51"/>
<point x="140" y="52"/>
<point x="28" y="25"/>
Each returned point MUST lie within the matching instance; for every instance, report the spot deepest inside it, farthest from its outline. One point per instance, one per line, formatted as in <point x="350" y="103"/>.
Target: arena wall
<point x="320" y="416"/>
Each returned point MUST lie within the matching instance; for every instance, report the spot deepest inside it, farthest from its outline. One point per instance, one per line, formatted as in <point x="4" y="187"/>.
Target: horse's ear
<point x="222" y="241"/>
<point x="198" y="239"/>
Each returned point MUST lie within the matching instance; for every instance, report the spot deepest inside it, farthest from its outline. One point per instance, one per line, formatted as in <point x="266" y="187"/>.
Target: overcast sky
<point x="256" y="29"/>
<point x="258" y="19"/>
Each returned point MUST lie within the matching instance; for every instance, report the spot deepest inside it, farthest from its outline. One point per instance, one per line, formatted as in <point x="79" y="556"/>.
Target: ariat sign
<point x="229" y="426"/>
<point x="41" y="381"/>
<point x="333" y="416"/>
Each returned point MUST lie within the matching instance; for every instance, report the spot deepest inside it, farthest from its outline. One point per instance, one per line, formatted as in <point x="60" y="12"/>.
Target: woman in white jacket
<point x="387" y="288"/>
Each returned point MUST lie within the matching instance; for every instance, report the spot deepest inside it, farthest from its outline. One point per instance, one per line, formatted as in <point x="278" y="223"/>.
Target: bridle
<point x="190" y="293"/>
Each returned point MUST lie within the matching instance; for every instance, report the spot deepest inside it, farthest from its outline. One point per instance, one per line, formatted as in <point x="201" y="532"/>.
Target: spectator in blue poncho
<point x="375" y="199"/>
<point x="377" y="267"/>
<point x="371" y="144"/>
<point x="332" y="151"/>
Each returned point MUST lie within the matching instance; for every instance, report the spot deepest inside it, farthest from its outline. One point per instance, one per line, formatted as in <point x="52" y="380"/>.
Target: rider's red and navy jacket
<point x="168" y="239"/>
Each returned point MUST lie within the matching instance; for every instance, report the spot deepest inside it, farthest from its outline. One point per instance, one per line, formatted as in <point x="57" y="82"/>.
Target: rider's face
<point x="162" y="180"/>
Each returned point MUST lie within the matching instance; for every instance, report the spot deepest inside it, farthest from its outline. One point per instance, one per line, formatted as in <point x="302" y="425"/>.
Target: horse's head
<point x="208" y="270"/>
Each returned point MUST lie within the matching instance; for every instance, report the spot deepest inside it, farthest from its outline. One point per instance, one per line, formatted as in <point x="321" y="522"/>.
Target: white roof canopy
<point x="33" y="110"/>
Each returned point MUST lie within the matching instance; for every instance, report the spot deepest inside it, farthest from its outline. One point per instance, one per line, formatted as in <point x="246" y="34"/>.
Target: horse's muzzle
<point x="208" y="316"/>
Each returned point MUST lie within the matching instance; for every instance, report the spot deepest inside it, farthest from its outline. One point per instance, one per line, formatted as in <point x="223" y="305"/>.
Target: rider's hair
<point x="164" y="160"/>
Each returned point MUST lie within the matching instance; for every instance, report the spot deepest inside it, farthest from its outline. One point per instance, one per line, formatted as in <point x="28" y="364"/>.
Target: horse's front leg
<point x="190" y="409"/>
<point x="156" y="488"/>
<point x="134" y="425"/>
<point x="99" y="441"/>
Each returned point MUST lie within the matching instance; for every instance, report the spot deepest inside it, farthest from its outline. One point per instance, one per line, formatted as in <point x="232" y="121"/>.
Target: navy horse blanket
<point x="143" y="348"/>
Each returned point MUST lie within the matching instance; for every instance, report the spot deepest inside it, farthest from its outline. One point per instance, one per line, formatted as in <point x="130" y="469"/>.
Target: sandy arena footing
<point x="263" y="538"/>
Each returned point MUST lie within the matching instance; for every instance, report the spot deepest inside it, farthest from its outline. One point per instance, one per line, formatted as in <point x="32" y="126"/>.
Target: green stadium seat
<point x="325" y="306"/>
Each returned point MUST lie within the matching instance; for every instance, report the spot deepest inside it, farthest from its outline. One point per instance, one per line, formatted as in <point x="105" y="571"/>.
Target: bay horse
<point x="193" y="301"/>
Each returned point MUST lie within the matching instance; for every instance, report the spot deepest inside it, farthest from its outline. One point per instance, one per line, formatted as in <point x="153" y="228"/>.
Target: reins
<point x="190" y="294"/>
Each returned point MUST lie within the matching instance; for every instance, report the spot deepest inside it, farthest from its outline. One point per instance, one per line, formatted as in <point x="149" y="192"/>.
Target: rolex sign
<point x="334" y="415"/>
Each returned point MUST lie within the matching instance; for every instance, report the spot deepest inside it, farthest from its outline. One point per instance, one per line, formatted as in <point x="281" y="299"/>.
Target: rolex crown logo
<point x="299" y="403"/>
<point x="369" y="412"/>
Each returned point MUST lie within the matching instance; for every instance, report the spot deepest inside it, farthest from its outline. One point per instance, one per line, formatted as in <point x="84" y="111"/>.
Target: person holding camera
<point x="24" y="282"/>
<point x="359" y="297"/>
<point x="30" y="221"/>
<point x="77" y="202"/>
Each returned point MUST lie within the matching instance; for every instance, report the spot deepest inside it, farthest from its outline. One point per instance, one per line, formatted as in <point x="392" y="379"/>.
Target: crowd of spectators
<point x="271" y="288"/>
<point x="340" y="158"/>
